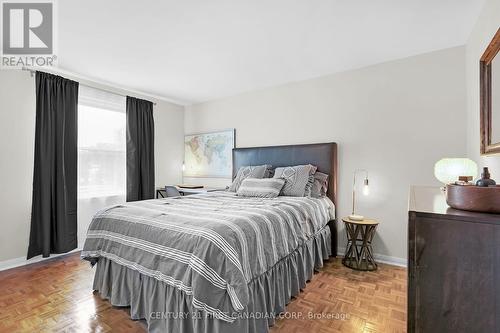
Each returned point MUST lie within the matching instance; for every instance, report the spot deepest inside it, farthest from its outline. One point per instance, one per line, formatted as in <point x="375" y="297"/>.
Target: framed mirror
<point x="490" y="97"/>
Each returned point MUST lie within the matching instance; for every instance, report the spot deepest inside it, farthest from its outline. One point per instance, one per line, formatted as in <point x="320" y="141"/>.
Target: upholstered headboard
<point x="322" y="155"/>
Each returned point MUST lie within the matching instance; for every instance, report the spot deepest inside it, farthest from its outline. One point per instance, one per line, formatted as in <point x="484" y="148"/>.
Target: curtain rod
<point x="33" y="71"/>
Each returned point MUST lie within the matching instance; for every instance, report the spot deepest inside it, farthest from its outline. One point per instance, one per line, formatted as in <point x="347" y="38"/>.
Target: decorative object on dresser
<point x="453" y="266"/>
<point x="490" y="97"/>
<point x="208" y="154"/>
<point x="366" y="191"/>
<point x="451" y="170"/>
<point x="485" y="180"/>
<point x="474" y="198"/>
<point x="461" y="193"/>
<point x="359" y="252"/>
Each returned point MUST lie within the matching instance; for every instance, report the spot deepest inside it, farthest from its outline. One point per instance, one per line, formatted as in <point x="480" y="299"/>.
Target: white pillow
<point x="261" y="188"/>
<point x="259" y="171"/>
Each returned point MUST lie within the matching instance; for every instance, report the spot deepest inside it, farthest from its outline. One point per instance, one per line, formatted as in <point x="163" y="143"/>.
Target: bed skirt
<point x="167" y="309"/>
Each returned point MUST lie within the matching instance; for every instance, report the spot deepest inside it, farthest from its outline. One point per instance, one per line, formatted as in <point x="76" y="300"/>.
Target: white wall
<point x="169" y="143"/>
<point x="17" y="144"/>
<point x="395" y="119"/>
<point x="17" y="132"/>
<point x="484" y="30"/>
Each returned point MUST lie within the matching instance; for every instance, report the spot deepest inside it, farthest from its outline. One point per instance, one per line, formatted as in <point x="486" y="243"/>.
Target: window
<point x="101" y="144"/>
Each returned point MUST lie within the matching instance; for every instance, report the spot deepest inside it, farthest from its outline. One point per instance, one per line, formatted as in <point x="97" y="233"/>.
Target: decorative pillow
<point x="320" y="185"/>
<point x="309" y="186"/>
<point x="261" y="188"/>
<point x="259" y="171"/>
<point x="296" y="179"/>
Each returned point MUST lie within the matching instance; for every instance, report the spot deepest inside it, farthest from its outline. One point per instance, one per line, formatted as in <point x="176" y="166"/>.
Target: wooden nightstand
<point x="359" y="252"/>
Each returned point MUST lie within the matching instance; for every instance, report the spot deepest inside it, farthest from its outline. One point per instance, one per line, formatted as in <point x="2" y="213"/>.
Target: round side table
<point x="359" y="252"/>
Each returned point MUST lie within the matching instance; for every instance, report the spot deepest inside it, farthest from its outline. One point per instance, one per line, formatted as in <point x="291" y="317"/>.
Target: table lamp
<point x="449" y="170"/>
<point x="366" y="191"/>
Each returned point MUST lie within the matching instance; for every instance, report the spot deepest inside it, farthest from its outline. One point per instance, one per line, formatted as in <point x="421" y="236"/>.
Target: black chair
<point x="171" y="191"/>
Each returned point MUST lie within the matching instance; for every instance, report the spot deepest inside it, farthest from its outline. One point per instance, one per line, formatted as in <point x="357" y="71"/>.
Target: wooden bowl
<point x="474" y="198"/>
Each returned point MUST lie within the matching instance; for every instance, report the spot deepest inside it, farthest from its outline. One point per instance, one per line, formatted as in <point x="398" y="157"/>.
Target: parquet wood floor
<point x="56" y="296"/>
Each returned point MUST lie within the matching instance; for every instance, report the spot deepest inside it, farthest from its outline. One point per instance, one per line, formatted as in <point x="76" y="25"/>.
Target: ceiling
<point x="193" y="51"/>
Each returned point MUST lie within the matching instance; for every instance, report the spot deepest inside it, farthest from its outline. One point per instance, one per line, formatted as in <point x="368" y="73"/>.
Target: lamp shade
<point x="447" y="170"/>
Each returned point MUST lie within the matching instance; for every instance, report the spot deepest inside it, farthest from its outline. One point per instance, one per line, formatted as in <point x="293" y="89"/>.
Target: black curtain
<point x="53" y="212"/>
<point x="140" y="150"/>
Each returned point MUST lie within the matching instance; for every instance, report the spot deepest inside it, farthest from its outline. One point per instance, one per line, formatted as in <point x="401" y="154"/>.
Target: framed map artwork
<point x="209" y="154"/>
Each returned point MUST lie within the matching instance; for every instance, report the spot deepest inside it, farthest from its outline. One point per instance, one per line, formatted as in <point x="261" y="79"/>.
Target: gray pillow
<point x="258" y="171"/>
<point x="261" y="188"/>
<point x="320" y="185"/>
<point x="309" y="186"/>
<point x="296" y="179"/>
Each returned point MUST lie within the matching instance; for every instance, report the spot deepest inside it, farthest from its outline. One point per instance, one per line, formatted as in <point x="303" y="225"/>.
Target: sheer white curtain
<point x="101" y="153"/>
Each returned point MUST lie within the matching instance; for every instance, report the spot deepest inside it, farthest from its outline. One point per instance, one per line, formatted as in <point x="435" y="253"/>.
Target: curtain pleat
<point x="140" y="150"/>
<point x="53" y="213"/>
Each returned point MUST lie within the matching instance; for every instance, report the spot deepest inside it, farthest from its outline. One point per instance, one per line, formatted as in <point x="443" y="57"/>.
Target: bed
<point x="216" y="262"/>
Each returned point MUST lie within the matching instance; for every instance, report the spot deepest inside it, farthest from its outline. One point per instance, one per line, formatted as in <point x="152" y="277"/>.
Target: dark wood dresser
<point x="453" y="266"/>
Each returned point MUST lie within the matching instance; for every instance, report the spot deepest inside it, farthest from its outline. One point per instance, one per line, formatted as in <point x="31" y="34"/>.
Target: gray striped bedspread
<point x="210" y="246"/>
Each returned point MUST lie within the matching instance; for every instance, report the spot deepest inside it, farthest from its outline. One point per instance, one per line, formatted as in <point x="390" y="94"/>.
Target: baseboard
<point x="396" y="261"/>
<point x="21" y="261"/>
